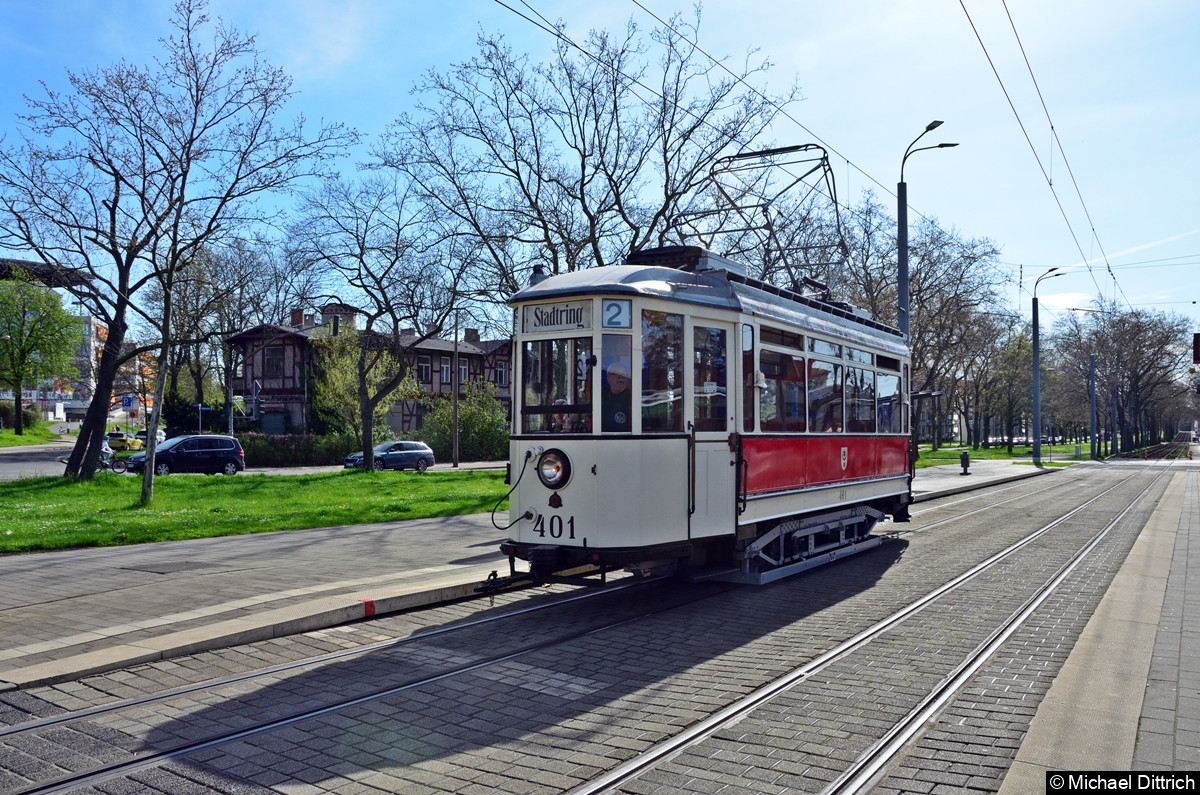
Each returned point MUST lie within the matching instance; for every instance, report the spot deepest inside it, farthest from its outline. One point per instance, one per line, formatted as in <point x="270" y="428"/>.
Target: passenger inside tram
<point x="616" y="406"/>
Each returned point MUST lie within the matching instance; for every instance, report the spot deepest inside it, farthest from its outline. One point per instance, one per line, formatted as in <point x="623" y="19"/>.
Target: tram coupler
<point x="964" y="461"/>
<point x="494" y="583"/>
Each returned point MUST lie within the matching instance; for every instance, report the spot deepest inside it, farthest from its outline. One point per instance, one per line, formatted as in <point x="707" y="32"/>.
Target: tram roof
<point x="720" y="289"/>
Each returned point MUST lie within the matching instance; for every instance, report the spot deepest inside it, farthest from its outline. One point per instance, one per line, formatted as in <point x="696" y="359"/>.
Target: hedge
<point x="294" y="450"/>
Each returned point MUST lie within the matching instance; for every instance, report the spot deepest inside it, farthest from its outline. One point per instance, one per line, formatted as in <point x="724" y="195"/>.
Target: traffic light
<point x="1196" y="349"/>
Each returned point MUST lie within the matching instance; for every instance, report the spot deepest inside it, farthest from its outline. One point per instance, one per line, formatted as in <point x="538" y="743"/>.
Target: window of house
<point x="502" y="374"/>
<point x="424" y="369"/>
<point x="445" y="374"/>
<point x="273" y="361"/>
<point x="463" y="371"/>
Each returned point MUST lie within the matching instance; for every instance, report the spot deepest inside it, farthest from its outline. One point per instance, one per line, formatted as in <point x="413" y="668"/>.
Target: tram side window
<point x="709" y="379"/>
<point x="557" y="386"/>
<point x="860" y="400"/>
<point x="616" y="397"/>
<point x="662" y="372"/>
<point x="825" y="413"/>
<point x="781" y="400"/>
<point x="890" y="409"/>
<point x="748" y="371"/>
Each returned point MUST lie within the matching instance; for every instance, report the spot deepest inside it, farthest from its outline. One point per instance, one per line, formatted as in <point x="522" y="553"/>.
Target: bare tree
<point x="404" y="273"/>
<point x="132" y="172"/>
<point x="576" y="161"/>
<point x="1141" y="362"/>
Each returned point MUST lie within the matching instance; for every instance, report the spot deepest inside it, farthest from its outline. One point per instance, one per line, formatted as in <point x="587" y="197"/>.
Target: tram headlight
<point x="554" y="469"/>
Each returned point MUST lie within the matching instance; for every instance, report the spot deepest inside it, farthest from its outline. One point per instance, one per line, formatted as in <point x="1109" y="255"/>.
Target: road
<point x="43" y="459"/>
<point x="33" y="460"/>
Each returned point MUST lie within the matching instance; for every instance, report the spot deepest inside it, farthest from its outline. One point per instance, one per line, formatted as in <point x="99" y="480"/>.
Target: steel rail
<point x="739" y="709"/>
<point x="307" y="662"/>
<point x="108" y="771"/>
<point x="862" y="773"/>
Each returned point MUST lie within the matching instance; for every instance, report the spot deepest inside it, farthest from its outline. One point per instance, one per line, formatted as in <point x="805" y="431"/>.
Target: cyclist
<point x="106" y="452"/>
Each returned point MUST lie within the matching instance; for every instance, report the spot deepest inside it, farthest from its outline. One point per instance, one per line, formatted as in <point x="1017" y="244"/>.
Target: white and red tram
<point x="673" y="410"/>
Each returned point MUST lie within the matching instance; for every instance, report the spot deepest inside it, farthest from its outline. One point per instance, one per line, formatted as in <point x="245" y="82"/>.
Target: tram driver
<point x="563" y="423"/>
<point x="616" y="405"/>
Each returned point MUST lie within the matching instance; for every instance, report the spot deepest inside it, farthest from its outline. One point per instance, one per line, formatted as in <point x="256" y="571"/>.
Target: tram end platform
<point x="53" y="640"/>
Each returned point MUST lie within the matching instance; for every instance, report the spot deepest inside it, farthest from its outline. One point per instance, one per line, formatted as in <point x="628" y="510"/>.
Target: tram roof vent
<point x="686" y="258"/>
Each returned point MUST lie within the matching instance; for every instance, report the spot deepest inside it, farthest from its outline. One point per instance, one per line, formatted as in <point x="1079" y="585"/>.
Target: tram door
<point x="713" y="489"/>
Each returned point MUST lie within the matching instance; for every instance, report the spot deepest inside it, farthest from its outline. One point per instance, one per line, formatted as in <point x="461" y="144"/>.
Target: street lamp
<point x="902" y="228"/>
<point x="1037" y="374"/>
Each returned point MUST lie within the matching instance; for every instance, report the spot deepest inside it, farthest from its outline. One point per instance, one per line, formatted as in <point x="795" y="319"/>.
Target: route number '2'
<point x="617" y="313"/>
<point x="556" y="526"/>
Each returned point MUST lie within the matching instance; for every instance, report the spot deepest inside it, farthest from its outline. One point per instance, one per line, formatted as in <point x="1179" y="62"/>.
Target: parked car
<point x="160" y="436"/>
<point x="211" y="454"/>
<point x="119" y="440"/>
<point x="396" y="455"/>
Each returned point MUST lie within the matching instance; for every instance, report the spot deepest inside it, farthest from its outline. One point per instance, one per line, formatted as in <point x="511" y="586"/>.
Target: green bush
<point x="32" y="419"/>
<point x="482" y="425"/>
<point x="294" y="450"/>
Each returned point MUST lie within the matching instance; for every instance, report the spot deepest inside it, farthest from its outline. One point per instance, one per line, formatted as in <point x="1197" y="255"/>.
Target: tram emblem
<point x="845" y="457"/>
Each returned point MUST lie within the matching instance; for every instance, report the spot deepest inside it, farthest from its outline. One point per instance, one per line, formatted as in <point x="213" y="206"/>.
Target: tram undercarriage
<point x="763" y="553"/>
<point x="797" y="544"/>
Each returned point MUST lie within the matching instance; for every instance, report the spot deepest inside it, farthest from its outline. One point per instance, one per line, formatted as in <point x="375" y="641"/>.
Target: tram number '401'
<point x="556" y="526"/>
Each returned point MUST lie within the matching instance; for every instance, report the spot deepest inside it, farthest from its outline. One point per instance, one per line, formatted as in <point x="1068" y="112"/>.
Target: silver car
<point x="396" y="455"/>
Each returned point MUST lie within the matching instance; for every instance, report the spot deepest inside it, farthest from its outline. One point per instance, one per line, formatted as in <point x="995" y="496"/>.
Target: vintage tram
<point x="672" y="411"/>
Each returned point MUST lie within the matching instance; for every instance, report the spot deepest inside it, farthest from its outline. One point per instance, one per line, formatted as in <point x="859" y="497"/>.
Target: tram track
<point x="20" y="732"/>
<point x="476" y="666"/>
<point x="859" y="776"/>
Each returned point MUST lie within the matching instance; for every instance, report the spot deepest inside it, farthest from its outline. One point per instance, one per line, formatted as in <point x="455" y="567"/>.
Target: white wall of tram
<point x="638" y="492"/>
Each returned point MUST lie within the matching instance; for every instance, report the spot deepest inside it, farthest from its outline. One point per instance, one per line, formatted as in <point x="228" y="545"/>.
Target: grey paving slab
<point x="71" y="613"/>
<point x="1112" y="707"/>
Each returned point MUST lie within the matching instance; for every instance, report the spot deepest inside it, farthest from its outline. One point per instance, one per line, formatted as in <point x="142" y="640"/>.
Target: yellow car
<point x="119" y="440"/>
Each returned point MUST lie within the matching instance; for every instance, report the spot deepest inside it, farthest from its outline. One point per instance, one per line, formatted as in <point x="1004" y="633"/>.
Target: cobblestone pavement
<point x="548" y="722"/>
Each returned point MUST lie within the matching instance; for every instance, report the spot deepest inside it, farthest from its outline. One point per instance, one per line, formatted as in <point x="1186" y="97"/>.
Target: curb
<point x="948" y="492"/>
<point x="307" y="616"/>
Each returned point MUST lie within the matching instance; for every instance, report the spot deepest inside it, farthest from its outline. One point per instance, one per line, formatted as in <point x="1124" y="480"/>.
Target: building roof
<point x="268" y="330"/>
<point x="49" y="275"/>
<point x="430" y="345"/>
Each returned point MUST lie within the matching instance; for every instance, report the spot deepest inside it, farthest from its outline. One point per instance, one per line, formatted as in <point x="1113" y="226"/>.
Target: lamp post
<point x="902" y="229"/>
<point x="1037" y="374"/>
<point x="454" y="381"/>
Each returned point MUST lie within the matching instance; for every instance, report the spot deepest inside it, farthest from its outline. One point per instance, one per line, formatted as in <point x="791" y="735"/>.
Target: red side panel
<point x="785" y="463"/>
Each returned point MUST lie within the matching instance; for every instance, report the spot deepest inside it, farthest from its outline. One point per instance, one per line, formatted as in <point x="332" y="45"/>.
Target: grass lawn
<point x="1052" y="455"/>
<point x="39" y="435"/>
<point x="60" y="513"/>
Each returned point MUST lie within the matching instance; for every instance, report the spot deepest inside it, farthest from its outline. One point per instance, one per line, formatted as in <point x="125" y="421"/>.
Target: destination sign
<point x="568" y="316"/>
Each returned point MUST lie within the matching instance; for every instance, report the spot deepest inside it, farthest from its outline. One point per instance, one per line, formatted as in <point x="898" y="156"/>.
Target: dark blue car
<point x="210" y="454"/>
<point x="396" y="455"/>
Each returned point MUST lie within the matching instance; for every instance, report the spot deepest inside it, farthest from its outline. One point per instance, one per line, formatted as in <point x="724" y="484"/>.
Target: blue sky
<point x="1121" y="82"/>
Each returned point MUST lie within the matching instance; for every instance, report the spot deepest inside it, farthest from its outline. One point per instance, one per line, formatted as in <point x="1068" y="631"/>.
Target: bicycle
<point x="117" y="466"/>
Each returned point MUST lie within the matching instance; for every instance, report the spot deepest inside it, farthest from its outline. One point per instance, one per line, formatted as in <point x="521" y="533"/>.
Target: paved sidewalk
<point x="68" y="614"/>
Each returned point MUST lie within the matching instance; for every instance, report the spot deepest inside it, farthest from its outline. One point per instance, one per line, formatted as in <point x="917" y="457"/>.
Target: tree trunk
<point x="86" y="453"/>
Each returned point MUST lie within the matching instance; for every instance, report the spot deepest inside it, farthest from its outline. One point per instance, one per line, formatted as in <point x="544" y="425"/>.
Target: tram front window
<point x="556" y="388"/>
<point x="662" y="372"/>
